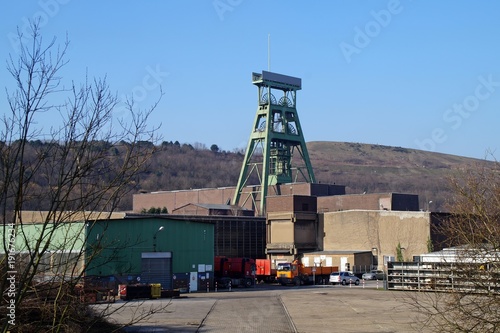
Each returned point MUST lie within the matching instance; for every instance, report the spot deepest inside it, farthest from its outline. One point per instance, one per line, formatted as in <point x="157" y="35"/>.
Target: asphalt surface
<point x="272" y="308"/>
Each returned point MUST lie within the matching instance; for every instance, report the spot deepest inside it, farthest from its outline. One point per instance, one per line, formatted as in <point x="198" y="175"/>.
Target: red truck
<point x="234" y="272"/>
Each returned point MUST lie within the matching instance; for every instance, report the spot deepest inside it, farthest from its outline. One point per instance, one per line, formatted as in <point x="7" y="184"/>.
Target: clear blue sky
<point x="415" y="74"/>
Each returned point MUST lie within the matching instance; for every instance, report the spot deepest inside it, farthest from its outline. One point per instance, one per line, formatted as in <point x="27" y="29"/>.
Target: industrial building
<point x="317" y="223"/>
<point x="170" y="250"/>
<point x="372" y="224"/>
<point x="175" y="201"/>
<point x="123" y="248"/>
<point x="285" y="217"/>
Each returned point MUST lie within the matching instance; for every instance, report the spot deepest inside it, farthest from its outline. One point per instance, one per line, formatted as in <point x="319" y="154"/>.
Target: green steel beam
<point x="277" y="132"/>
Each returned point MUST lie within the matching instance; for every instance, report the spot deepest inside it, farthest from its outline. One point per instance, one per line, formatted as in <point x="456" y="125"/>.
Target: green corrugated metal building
<point x="179" y="249"/>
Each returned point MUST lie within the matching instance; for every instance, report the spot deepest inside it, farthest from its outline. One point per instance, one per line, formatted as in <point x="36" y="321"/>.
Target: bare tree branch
<point x="70" y="172"/>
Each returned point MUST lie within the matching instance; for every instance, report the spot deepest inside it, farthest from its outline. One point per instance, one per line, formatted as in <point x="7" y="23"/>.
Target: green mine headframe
<point x="276" y="138"/>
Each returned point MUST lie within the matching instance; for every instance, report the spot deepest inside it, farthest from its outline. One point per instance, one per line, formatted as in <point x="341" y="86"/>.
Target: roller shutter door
<point x="157" y="268"/>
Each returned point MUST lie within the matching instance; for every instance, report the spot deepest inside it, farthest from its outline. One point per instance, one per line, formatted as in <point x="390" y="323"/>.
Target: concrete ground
<point x="271" y="308"/>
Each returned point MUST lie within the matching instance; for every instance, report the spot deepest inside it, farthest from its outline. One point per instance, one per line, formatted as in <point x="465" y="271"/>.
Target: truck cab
<point x="289" y="273"/>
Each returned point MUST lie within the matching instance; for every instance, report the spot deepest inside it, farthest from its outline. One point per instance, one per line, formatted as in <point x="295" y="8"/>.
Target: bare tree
<point x="70" y="171"/>
<point x="473" y="303"/>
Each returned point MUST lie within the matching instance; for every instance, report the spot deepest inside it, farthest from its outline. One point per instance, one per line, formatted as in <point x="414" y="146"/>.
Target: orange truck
<point x="296" y="274"/>
<point x="264" y="272"/>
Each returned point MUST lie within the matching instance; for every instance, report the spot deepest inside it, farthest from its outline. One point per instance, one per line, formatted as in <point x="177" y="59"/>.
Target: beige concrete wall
<point x="372" y="201"/>
<point x="363" y="230"/>
<point x="292" y="230"/>
<point x="354" y="201"/>
<point x="282" y="232"/>
<point x="305" y="232"/>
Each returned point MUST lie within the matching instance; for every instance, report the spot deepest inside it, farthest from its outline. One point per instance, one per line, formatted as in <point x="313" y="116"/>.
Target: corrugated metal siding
<point x="156" y="267"/>
<point x="123" y="241"/>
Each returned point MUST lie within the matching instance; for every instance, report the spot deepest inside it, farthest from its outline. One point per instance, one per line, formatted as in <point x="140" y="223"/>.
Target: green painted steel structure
<point x="275" y="140"/>
<point x="118" y="244"/>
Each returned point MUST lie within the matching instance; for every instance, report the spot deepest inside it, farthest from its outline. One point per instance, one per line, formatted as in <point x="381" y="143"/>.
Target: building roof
<point x="461" y="254"/>
<point x="68" y="216"/>
<point x="213" y="206"/>
<point x="337" y="252"/>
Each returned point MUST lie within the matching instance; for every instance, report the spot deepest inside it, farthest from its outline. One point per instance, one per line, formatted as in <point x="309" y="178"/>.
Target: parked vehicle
<point x="343" y="278"/>
<point x="297" y="274"/>
<point x="373" y="275"/>
<point x="264" y="272"/>
<point x="234" y="272"/>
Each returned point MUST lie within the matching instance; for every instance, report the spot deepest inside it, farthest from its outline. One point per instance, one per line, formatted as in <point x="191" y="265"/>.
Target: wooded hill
<point x="361" y="167"/>
<point x="376" y="168"/>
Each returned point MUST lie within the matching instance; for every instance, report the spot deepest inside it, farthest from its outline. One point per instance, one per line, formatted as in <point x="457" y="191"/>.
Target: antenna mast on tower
<point x="269" y="52"/>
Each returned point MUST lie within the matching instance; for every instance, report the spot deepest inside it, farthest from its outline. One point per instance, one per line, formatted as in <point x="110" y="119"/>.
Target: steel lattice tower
<point x="276" y="139"/>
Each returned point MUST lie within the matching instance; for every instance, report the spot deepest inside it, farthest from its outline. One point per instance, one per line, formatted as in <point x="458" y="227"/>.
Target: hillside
<point x="361" y="167"/>
<point x="376" y="168"/>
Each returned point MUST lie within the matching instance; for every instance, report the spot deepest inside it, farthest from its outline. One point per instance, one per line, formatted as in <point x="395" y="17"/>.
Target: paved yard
<point x="311" y="309"/>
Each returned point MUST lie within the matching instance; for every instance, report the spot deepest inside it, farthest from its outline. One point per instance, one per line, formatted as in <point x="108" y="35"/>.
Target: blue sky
<point x="416" y="74"/>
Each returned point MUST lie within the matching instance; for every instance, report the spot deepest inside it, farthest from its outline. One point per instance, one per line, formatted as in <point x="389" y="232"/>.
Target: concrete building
<point x="291" y="227"/>
<point x="372" y="201"/>
<point x="356" y="261"/>
<point x="174" y="200"/>
<point x="361" y="239"/>
<point x="378" y="232"/>
<point x="311" y="218"/>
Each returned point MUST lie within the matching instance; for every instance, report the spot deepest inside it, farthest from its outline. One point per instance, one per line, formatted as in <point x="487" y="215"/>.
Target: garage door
<point x="157" y="268"/>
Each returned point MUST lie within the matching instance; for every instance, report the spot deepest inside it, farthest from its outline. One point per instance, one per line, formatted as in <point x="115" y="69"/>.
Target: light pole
<point x="374" y="255"/>
<point x="154" y="238"/>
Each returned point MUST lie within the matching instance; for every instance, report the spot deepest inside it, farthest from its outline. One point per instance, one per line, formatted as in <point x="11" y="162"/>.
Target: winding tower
<point x="276" y="151"/>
